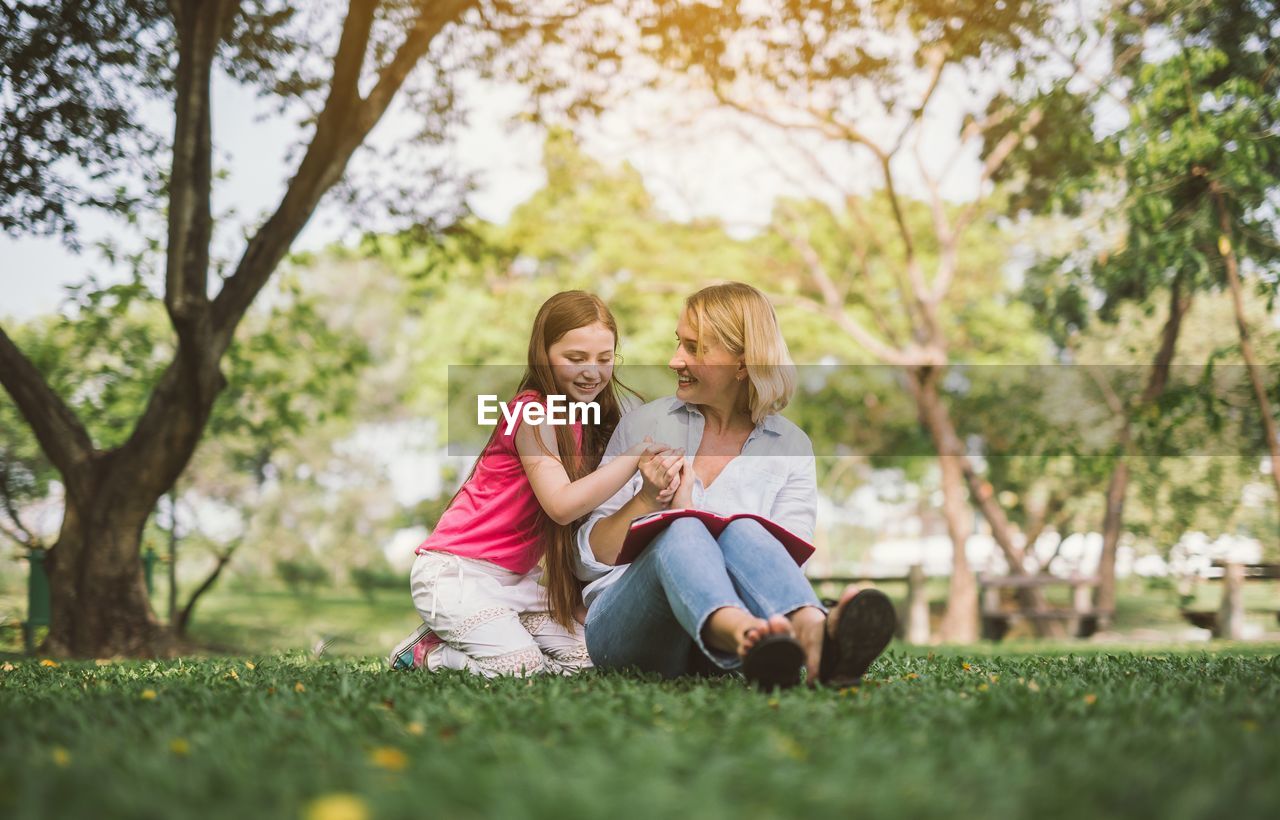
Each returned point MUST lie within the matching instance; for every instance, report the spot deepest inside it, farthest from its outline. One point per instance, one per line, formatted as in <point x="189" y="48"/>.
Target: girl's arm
<point x="566" y="501"/>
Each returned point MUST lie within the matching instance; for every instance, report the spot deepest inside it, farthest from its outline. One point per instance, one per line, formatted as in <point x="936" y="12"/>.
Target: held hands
<point x="682" y="496"/>
<point x="660" y="467"/>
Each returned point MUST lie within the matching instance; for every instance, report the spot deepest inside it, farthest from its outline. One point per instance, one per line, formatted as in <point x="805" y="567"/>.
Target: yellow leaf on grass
<point x="389" y="758"/>
<point x="148" y="694"/>
<point x="47" y="662"/>
<point x="180" y="747"/>
<point x="415" y="728"/>
<point x="298" y="687"/>
<point x="966" y="667"/>
<point x="337" y="806"/>
<point x="249" y="665"/>
<point x="61" y="757"/>
<point x="1090" y="699"/>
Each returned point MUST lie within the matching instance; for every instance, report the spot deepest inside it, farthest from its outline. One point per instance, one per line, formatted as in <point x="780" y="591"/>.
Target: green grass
<point x="988" y="732"/>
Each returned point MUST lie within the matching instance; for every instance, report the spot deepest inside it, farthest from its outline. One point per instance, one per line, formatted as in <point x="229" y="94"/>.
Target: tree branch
<point x="27" y="539"/>
<point x="341" y="127"/>
<point x="199" y="27"/>
<point x="61" y="435"/>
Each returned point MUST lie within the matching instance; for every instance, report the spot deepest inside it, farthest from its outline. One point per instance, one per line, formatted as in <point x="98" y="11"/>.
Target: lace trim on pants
<point x="521" y="662"/>
<point x="476" y="619"/>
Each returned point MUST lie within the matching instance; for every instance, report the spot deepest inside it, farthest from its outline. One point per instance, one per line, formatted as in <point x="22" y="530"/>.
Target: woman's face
<point x="582" y="361"/>
<point x="706" y="373"/>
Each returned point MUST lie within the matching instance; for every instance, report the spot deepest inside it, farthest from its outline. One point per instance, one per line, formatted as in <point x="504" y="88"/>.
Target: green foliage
<point x="302" y="576"/>
<point x="954" y="734"/>
<point x="1203" y="115"/>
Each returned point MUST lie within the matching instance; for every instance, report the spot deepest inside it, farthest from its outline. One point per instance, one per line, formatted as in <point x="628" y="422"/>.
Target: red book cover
<point x="647" y="527"/>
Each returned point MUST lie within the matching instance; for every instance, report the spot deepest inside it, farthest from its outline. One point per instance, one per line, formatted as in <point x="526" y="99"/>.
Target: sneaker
<point x="411" y="653"/>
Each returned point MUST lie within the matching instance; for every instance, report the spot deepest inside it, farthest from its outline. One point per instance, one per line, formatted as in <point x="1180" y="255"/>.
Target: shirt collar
<point x="770" y="423"/>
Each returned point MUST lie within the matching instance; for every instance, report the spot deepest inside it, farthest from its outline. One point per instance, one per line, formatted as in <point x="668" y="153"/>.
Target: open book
<point x="647" y="527"/>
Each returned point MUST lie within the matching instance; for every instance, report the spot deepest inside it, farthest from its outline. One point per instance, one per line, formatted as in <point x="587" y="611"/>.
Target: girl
<point x="476" y="580"/>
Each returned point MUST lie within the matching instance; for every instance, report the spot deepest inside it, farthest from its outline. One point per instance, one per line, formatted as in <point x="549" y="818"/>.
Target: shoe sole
<point x="774" y="663"/>
<point x="865" y="628"/>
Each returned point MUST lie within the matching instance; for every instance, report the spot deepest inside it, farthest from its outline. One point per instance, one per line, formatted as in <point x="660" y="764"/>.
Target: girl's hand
<point x="646" y="447"/>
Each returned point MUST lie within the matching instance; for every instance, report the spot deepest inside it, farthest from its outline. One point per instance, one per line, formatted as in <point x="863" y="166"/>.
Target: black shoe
<point x="774" y="662"/>
<point x="866" y="626"/>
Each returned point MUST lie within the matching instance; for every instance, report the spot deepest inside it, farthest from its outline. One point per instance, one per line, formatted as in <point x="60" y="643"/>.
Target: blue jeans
<point x="654" y="614"/>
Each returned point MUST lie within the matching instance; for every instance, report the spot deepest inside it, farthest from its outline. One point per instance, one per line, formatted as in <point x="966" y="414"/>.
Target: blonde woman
<point x="692" y="601"/>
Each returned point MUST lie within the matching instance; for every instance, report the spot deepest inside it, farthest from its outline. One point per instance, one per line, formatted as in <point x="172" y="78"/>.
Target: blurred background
<point x="1026" y="254"/>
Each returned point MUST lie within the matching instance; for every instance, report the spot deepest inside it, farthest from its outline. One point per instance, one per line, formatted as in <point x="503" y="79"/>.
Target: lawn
<point x="990" y="732"/>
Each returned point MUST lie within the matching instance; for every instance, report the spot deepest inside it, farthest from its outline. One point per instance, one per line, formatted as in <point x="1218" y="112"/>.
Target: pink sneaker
<point x="411" y="653"/>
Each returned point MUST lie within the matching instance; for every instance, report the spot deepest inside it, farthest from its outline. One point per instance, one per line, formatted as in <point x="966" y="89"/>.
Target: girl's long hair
<point x="563" y="312"/>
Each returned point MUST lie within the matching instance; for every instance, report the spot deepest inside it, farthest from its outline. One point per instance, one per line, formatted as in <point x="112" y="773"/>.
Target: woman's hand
<point x="683" y="497"/>
<point x="659" y="470"/>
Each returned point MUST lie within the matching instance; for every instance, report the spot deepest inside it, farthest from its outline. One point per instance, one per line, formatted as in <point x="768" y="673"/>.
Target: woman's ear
<point x="742" y="370"/>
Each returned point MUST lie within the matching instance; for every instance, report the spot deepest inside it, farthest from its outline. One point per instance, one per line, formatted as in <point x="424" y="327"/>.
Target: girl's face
<point x="582" y="361"/>
<point x="709" y="378"/>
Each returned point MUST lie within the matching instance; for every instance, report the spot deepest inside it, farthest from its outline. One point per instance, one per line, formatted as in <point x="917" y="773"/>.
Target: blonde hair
<point x="742" y="321"/>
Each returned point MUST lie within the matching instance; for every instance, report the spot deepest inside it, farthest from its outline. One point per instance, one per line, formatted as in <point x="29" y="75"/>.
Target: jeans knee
<point x="746" y="528"/>
<point x="681" y="533"/>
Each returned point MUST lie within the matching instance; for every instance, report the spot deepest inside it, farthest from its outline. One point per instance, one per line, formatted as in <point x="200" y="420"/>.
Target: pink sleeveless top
<point x="496" y="517"/>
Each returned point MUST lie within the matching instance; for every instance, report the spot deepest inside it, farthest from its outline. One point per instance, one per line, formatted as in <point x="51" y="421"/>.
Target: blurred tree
<point x="111" y="341"/>
<point x="1185" y="192"/>
<point x="75" y="78"/>
<point x="876" y="80"/>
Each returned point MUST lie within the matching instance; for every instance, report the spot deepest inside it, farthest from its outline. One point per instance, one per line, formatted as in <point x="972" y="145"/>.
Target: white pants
<point x="492" y="621"/>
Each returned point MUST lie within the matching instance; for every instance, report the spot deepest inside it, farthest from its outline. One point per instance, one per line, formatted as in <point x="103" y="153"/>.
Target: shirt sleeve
<point x="796" y="505"/>
<point x="588" y="567"/>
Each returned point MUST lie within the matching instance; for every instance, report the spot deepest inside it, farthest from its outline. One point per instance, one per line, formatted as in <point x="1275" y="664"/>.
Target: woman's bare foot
<point x="809" y="623"/>
<point x="735" y="630"/>
<point x="810" y="627"/>
<point x="776" y="625"/>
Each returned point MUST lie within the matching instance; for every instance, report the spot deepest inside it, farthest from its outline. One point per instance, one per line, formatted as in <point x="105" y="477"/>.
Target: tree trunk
<point x="960" y="623"/>
<point x="1246" y="344"/>
<point x="99" y="598"/>
<point x="1118" y="486"/>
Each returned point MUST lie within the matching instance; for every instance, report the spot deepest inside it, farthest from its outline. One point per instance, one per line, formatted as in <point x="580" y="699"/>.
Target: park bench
<point x="1080" y="619"/>
<point x="1227" y="621"/>
<point x="913" y="623"/>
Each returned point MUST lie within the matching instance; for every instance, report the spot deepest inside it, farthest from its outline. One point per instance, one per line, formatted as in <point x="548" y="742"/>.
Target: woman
<point x="738" y="601"/>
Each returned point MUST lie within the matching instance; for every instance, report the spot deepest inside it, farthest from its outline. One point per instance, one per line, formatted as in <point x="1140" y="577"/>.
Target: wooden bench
<point x="1227" y="621"/>
<point x="914" y="623"/>
<point x="1081" y="619"/>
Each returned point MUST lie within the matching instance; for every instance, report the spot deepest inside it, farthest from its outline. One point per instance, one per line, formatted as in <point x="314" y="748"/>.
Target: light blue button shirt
<point x="774" y="477"/>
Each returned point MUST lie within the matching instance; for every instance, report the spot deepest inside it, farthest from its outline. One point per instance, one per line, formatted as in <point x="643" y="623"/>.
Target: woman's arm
<point x="566" y="501"/>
